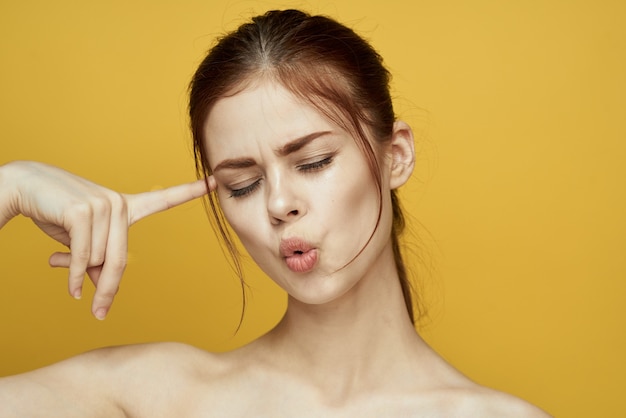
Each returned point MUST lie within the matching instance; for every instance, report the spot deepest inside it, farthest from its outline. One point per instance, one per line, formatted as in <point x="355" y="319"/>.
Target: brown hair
<point x="320" y="61"/>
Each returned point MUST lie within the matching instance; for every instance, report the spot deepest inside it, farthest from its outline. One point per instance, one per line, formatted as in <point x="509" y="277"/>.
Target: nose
<point x="283" y="202"/>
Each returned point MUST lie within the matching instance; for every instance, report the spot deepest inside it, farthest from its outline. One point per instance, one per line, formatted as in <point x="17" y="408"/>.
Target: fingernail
<point x="101" y="313"/>
<point x="78" y="293"/>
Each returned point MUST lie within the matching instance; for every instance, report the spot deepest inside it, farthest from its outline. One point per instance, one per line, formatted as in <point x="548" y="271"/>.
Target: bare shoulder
<point x="172" y="356"/>
<point x="446" y="391"/>
<point x="134" y="380"/>
<point x="162" y="379"/>
<point x="149" y="363"/>
<point x="484" y="402"/>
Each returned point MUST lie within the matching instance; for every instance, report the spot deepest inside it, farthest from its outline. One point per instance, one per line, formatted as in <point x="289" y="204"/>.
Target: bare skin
<point x="346" y="345"/>
<point x="169" y="379"/>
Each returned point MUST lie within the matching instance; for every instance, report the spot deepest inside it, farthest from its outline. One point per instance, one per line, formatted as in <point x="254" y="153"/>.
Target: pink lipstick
<point x="299" y="255"/>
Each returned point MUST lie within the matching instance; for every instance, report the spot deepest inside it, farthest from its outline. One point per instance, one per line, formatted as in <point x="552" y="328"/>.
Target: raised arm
<point x="91" y="220"/>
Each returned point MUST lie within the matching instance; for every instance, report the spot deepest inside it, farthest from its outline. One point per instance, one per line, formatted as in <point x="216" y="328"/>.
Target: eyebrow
<point x="235" y="163"/>
<point x="288" y="148"/>
<point x="296" y="144"/>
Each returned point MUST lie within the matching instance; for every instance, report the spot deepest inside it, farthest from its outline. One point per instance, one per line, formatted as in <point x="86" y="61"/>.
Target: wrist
<point x="8" y="192"/>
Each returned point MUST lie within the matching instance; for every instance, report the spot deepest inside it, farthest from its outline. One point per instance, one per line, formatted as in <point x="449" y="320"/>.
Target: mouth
<point x="299" y="255"/>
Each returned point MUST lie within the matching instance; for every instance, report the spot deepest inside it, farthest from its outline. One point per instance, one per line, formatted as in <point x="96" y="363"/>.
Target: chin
<point x="319" y="290"/>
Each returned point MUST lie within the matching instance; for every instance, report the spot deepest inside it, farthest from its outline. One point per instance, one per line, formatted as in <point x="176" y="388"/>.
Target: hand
<point x="91" y="220"/>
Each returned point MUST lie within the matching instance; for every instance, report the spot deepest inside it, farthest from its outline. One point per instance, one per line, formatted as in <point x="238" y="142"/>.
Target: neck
<point x="355" y="339"/>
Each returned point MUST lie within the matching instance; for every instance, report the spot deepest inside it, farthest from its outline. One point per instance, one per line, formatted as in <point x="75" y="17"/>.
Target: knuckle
<point x="100" y="205"/>
<point x="96" y="260"/>
<point x="81" y="254"/>
<point x="118" y="203"/>
<point x="117" y="264"/>
<point x="108" y="293"/>
<point x="80" y="210"/>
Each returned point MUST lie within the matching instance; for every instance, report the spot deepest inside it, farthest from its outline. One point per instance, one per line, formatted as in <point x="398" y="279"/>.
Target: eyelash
<point x="317" y="165"/>
<point x="306" y="168"/>
<point x="244" y="191"/>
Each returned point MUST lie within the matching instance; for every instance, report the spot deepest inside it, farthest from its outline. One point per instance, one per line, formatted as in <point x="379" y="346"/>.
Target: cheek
<point x="354" y="206"/>
<point x="357" y="192"/>
<point x="362" y="207"/>
<point x="243" y="217"/>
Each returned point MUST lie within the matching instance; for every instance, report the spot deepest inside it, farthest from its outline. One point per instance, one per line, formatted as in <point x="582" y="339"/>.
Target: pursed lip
<point x="294" y="246"/>
<point x="300" y="256"/>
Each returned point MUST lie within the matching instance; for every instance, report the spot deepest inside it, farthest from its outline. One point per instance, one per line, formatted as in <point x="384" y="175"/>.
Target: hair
<point x="323" y="63"/>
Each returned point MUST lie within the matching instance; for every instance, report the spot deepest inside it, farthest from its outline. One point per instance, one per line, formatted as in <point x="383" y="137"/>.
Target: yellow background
<point x="518" y="201"/>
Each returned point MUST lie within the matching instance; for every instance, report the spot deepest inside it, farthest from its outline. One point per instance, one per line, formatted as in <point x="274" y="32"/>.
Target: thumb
<point x="145" y="204"/>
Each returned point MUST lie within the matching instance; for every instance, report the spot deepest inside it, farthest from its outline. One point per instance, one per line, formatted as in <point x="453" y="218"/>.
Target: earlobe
<point x="402" y="154"/>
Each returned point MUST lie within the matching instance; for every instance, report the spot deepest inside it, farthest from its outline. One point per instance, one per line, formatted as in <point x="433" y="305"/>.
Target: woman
<point x="297" y="142"/>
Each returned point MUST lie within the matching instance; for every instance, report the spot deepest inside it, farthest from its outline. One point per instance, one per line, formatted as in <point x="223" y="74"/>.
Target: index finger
<point x="148" y="203"/>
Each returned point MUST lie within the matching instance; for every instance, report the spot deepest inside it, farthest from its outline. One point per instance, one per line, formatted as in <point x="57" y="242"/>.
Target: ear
<point x="402" y="154"/>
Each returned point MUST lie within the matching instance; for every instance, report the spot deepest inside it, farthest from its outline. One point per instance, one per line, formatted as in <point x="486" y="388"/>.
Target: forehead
<point x="262" y="114"/>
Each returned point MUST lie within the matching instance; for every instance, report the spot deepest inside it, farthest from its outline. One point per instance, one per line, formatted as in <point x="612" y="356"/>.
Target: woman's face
<point x="297" y="190"/>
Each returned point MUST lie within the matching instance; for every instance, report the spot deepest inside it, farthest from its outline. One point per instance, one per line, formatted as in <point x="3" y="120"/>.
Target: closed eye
<point x="244" y="191"/>
<point x="307" y="168"/>
<point x="317" y="165"/>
